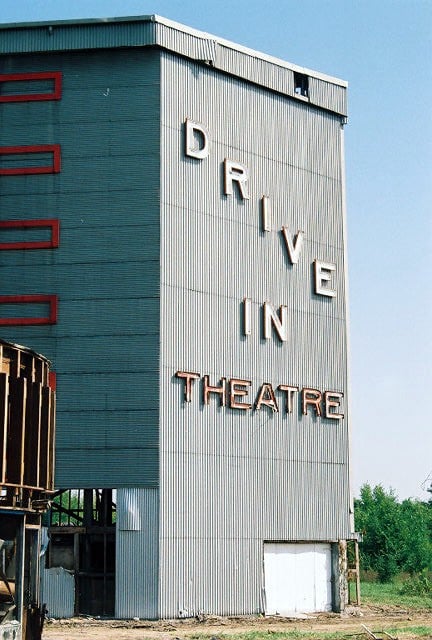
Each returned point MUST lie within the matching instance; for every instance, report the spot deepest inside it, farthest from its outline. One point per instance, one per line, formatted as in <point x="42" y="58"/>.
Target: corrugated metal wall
<point x="231" y="480"/>
<point x="137" y="553"/>
<point x="58" y="592"/>
<point x="262" y="70"/>
<point x="106" y="269"/>
<point x="277" y="75"/>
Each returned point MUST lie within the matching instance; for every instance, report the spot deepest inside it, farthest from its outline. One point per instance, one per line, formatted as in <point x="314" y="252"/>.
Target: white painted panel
<point x="297" y="577"/>
<point x="58" y="592"/>
<point x="137" y="556"/>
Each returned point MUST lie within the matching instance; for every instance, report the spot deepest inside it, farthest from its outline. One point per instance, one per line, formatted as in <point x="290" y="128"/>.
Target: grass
<point x="408" y="632"/>
<point x="374" y="593"/>
<point x="275" y="635"/>
<point x="416" y="632"/>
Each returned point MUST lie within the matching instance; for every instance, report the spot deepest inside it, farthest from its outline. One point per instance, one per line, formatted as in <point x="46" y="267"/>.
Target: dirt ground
<point x="376" y="619"/>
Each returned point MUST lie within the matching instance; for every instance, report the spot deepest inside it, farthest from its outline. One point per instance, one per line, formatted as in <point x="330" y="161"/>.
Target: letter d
<point x="197" y="140"/>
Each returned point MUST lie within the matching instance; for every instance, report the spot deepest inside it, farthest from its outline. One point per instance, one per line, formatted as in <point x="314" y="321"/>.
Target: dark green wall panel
<point x="106" y="270"/>
<point x="90" y="244"/>
<point x="123" y="468"/>
<point x="96" y="427"/>
<point x="99" y="354"/>
<point x="139" y="317"/>
<point x="110" y="391"/>
<point x="91" y="173"/>
<point x="85" y="281"/>
<point x="86" y="210"/>
<point x="85" y="36"/>
<point x="123" y="68"/>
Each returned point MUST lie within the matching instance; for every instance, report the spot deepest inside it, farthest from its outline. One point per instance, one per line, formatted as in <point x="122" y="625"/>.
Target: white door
<point x="297" y="577"/>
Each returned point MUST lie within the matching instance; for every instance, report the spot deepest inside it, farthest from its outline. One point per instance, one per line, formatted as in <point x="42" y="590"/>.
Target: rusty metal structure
<point x="27" y="405"/>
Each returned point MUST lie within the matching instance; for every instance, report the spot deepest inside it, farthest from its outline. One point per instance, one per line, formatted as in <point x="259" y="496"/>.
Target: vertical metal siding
<point x="256" y="68"/>
<point x="67" y="36"/>
<point x="260" y="72"/>
<point x="328" y="95"/>
<point x="231" y="480"/>
<point x="260" y="69"/>
<point x="137" y="553"/>
<point x="58" y="592"/>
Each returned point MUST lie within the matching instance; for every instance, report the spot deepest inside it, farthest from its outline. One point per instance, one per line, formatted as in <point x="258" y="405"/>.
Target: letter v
<point x="293" y="248"/>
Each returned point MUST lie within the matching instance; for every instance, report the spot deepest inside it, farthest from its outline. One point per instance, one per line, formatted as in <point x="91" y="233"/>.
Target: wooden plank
<point x="4" y="392"/>
<point x="16" y="431"/>
<point x="51" y="451"/>
<point x="357" y="564"/>
<point x="44" y="440"/>
<point x="32" y="434"/>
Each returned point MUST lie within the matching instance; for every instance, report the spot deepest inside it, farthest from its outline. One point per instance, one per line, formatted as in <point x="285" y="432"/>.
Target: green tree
<point x="376" y="516"/>
<point x="415" y="531"/>
<point x="396" y="536"/>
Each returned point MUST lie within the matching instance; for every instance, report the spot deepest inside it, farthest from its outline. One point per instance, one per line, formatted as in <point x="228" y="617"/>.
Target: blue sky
<point x="383" y="48"/>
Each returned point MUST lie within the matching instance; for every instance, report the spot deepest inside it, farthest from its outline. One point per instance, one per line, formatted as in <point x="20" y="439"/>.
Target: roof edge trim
<point x="179" y="27"/>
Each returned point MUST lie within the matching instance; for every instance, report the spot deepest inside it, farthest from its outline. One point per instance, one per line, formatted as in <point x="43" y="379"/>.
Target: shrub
<point x="396" y="536"/>
<point x="417" y="585"/>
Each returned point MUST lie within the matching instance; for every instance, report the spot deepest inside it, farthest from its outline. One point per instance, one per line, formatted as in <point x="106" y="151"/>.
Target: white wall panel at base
<point x="212" y="575"/>
<point x="137" y="554"/>
<point x="297" y="577"/>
